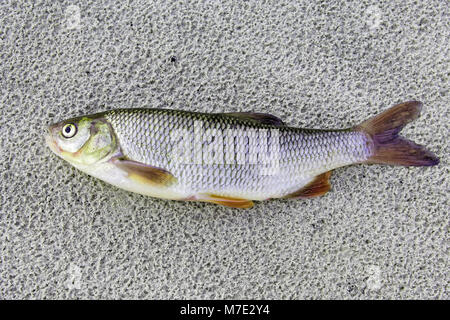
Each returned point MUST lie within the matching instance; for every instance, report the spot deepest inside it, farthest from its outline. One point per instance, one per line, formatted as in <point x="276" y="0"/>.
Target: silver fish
<point x="228" y="158"/>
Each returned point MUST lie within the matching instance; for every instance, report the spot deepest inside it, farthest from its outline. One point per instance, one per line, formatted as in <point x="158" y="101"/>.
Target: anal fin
<point x="224" y="201"/>
<point x="318" y="187"/>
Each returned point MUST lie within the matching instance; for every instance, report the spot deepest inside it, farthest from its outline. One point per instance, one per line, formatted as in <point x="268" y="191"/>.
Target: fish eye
<point x="69" y="130"/>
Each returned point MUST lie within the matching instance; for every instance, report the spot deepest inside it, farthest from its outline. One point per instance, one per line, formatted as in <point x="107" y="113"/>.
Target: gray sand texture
<point x="380" y="233"/>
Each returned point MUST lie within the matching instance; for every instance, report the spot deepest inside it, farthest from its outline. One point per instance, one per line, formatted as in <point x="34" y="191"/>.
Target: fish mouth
<point x="51" y="143"/>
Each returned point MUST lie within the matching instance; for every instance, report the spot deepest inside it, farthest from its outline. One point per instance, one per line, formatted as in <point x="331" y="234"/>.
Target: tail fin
<point x="388" y="146"/>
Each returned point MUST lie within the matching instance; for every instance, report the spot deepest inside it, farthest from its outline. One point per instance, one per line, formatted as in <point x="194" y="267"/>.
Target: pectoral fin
<point x="143" y="173"/>
<point x="225" y="201"/>
<point x="318" y="187"/>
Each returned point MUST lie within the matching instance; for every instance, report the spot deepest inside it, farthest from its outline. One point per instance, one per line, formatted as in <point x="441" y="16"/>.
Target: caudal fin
<point x="388" y="146"/>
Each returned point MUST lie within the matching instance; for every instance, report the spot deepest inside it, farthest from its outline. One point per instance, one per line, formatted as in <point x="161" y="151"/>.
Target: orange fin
<point x="318" y="187"/>
<point x="388" y="146"/>
<point x="264" y="118"/>
<point x="225" y="201"/>
<point x="144" y="173"/>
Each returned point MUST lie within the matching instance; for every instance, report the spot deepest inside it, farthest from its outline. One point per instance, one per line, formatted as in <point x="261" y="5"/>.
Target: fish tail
<point x="390" y="148"/>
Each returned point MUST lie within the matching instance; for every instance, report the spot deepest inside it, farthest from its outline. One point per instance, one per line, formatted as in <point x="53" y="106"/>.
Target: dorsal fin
<point x="318" y="187"/>
<point x="264" y="118"/>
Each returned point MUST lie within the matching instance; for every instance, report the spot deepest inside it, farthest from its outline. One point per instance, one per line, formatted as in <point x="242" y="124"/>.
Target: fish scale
<point x="147" y="135"/>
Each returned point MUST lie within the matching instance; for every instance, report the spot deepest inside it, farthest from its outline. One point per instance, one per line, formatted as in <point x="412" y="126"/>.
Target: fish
<point x="231" y="159"/>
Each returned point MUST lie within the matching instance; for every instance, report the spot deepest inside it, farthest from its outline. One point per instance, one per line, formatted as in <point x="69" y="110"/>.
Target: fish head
<point x="82" y="141"/>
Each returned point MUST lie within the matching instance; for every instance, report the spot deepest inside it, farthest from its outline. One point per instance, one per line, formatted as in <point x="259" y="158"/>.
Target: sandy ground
<point x="381" y="233"/>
